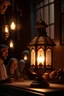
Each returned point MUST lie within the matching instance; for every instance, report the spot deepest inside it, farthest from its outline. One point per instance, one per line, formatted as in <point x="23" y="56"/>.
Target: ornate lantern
<point x="41" y="48"/>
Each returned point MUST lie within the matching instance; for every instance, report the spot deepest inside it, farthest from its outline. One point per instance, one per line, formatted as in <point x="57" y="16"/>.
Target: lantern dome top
<point x="41" y="24"/>
<point x="41" y="40"/>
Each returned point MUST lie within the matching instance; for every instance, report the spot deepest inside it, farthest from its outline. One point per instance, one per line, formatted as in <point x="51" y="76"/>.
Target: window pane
<point x="46" y="14"/>
<point x="41" y="13"/>
<point x="37" y="6"/>
<point x="37" y="15"/>
<point x="62" y="5"/>
<point x="38" y="12"/>
<point x="45" y="2"/>
<point x="51" y="13"/>
<point x="51" y="1"/>
<point x="52" y="31"/>
<point x="47" y="30"/>
<point x="41" y="4"/>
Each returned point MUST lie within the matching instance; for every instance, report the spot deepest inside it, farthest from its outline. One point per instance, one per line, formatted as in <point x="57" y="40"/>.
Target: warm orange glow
<point x="6" y="29"/>
<point x="11" y="44"/>
<point x="40" y="59"/>
<point x="32" y="57"/>
<point x="48" y="57"/>
<point x="13" y="26"/>
<point x="25" y="57"/>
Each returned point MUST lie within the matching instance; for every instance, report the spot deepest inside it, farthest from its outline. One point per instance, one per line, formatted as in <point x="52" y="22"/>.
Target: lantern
<point x="5" y="31"/>
<point x="41" y="48"/>
<point x="13" y="26"/>
<point x="11" y="44"/>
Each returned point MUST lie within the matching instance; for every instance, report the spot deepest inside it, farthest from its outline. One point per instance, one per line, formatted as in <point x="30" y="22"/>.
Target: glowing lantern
<point x="13" y="26"/>
<point x="25" y="57"/>
<point x="11" y="44"/>
<point x="41" y="48"/>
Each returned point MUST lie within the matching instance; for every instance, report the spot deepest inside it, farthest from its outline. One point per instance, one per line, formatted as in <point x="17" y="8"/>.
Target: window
<point x="46" y="8"/>
<point x="62" y="23"/>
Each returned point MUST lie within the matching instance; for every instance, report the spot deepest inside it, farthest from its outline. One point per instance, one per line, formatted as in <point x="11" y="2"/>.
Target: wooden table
<point x="24" y="89"/>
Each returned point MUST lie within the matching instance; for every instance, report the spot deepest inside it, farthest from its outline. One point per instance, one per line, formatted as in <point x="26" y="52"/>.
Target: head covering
<point x="3" y="46"/>
<point x="21" y="61"/>
<point x="21" y="66"/>
<point x="10" y="63"/>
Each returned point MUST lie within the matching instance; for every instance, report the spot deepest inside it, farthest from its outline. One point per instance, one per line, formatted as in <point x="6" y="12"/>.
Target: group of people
<point x="14" y="70"/>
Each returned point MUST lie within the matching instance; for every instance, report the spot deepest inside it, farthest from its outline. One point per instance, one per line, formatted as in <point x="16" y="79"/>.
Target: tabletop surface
<point x="26" y="84"/>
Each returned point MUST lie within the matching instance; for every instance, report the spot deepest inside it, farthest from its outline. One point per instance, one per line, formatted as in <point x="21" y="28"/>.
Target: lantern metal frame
<point x="41" y="39"/>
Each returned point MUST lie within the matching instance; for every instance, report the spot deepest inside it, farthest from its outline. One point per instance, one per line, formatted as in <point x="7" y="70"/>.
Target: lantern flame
<point x="40" y="59"/>
<point x="11" y="44"/>
<point x="13" y="26"/>
<point x="25" y="57"/>
<point x="6" y="29"/>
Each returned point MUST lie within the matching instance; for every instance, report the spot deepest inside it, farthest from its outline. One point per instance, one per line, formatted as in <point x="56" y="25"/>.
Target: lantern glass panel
<point x="48" y="58"/>
<point x="33" y="57"/>
<point x="40" y="57"/>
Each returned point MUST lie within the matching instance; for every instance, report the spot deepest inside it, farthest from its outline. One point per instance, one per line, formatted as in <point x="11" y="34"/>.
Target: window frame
<point x="49" y="33"/>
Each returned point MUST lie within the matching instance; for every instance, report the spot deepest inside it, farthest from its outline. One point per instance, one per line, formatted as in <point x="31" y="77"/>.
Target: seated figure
<point x="12" y="70"/>
<point x="22" y="69"/>
<point x="3" y="56"/>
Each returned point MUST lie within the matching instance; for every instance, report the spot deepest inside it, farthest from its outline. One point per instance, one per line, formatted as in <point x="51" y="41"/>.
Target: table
<point x="24" y="89"/>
